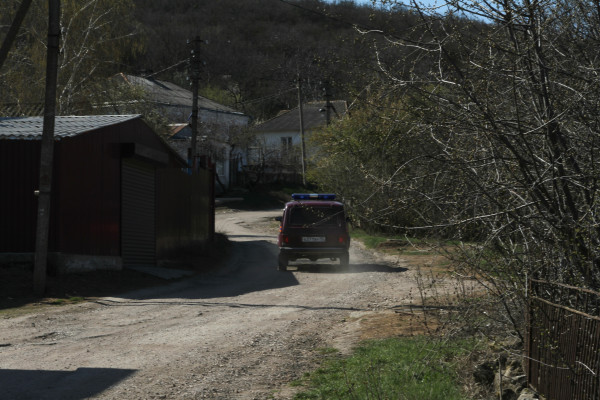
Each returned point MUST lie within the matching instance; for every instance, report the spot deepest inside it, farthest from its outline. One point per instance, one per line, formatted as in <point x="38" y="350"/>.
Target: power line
<point x="270" y="96"/>
<point x="166" y="69"/>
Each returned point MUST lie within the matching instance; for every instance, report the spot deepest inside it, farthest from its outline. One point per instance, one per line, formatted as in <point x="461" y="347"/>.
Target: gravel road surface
<point x="243" y="332"/>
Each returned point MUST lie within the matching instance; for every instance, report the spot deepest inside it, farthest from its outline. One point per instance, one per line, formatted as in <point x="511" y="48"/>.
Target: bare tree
<point x="503" y="96"/>
<point x="97" y="37"/>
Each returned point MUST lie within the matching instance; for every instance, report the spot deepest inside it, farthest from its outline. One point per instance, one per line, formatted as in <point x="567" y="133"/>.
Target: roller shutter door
<point x="138" y="233"/>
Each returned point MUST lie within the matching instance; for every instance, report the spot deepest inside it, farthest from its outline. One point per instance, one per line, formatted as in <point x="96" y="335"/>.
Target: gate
<point x="138" y="225"/>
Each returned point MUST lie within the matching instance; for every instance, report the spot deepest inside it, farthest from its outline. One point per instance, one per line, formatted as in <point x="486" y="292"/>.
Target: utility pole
<point x="195" y="77"/>
<point x="327" y="91"/>
<point x="47" y="151"/>
<point x="303" y="148"/>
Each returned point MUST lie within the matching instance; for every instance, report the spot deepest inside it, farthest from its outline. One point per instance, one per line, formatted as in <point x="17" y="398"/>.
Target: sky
<point x="424" y="3"/>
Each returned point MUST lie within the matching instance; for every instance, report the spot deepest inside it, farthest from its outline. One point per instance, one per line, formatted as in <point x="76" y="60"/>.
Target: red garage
<point x="119" y="194"/>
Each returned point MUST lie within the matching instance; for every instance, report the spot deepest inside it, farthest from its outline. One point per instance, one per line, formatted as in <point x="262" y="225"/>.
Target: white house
<point x="276" y="151"/>
<point x="217" y="124"/>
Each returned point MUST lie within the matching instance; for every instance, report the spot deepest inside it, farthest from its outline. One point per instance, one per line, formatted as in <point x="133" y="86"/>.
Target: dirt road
<point x="243" y="332"/>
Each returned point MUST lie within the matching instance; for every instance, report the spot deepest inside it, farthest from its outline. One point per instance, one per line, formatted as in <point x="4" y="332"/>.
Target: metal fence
<point x="185" y="217"/>
<point x="563" y="343"/>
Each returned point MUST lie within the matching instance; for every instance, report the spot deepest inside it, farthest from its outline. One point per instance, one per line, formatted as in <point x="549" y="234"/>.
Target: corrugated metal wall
<point x="563" y="341"/>
<point x="88" y="204"/>
<point x="184" y="210"/>
<point x="88" y="194"/>
<point x="89" y="174"/>
<point x="19" y="176"/>
<point x="138" y="213"/>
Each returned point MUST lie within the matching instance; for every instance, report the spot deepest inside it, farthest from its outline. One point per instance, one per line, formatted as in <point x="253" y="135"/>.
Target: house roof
<point x="30" y="128"/>
<point x="180" y="131"/>
<point x="314" y="115"/>
<point x="170" y="94"/>
<point x="21" y="109"/>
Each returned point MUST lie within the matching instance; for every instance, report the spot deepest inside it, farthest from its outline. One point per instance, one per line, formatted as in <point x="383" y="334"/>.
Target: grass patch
<point x="372" y="241"/>
<point x="328" y="351"/>
<point x="401" y="368"/>
<point x="369" y="240"/>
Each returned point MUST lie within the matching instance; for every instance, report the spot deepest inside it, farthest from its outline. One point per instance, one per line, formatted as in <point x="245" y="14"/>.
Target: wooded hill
<point x="255" y="49"/>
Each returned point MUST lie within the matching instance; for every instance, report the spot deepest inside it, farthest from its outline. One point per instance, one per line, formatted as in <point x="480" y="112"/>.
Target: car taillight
<point x="342" y="239"/>
<point x="285" y="239"/>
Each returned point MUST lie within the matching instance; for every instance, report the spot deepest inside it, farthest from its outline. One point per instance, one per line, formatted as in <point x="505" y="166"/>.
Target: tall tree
<point x="98" y="36"/>
<point x="506" y="93"/>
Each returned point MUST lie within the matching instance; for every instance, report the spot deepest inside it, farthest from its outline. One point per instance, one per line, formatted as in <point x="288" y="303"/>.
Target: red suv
<point x="313" y="226"/>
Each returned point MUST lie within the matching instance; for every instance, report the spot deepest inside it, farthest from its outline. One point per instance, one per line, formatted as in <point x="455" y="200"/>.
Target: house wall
<point x="208" y="148"/>
<point x="269" y="146"/>
<point x="273" y="139"/>
<point x="19" y="177"/>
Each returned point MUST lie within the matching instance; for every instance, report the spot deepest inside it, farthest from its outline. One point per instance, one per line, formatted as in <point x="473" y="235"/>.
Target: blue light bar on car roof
<point x="313" y="196"/>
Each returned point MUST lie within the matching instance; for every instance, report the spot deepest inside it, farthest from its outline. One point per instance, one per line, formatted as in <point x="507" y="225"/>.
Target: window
<point x="316" y="216"/>
<point x="286" y="146"/>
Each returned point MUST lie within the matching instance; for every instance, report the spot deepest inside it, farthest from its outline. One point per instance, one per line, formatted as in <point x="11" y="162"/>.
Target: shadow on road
<point x="336" y="269"/>
<point x="216" y="304"/>
<point x="67" y="385"/>
<point x="257" y="237"/>
<point x="251" y="267"/>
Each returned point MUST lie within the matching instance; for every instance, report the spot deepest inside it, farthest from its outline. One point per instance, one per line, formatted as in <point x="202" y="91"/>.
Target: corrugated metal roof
<point x="21" y="109"/>
<point x="30" y="128"/>
<point x="314" y="115"/>
<point x="168" y="93"/>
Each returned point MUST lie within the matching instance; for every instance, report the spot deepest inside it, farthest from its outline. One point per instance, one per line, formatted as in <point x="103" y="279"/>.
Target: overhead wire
<point x="270" y="96"/>
<point x="166" y="69"/>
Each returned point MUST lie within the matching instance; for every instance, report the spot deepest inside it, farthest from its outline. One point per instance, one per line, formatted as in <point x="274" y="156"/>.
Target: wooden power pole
<point x="327" y="93"/>
<point x="195" y="77"/>
<point x="47" y="151"/>
<point x="303" y="148"/>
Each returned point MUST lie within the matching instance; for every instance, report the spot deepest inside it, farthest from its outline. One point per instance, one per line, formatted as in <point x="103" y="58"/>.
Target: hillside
<point x="255" y="49"/>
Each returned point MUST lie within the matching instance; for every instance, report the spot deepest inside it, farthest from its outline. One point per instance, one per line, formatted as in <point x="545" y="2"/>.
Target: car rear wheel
<point x="282" y="262"/>
<point x="344" y="259"/>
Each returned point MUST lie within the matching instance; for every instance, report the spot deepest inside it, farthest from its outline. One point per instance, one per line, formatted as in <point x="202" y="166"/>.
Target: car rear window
<point x="316" y="216"/>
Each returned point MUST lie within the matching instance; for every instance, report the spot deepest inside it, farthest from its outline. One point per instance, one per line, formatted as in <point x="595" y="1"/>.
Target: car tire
<point x="345" y="259"/>
<point x="282" y="262"/>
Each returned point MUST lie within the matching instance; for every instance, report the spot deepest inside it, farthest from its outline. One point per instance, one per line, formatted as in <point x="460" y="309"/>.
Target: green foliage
<point x="221" y="96"/>
<point x="487" y="132"/>
<point x="408" y="368"/>
<point x="370" y="241"/>
<point x="385" y="170"/>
